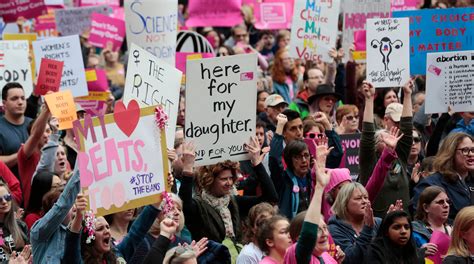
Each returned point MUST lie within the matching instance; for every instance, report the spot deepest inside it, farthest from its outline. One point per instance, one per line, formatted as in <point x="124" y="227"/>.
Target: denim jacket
<point x="124" y="249"/>
<point x="48" y="234"/>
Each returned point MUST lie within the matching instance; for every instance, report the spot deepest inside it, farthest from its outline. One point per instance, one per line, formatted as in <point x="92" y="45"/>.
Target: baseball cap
<point x="394" y="111"/>
<point x="274" y="100"/>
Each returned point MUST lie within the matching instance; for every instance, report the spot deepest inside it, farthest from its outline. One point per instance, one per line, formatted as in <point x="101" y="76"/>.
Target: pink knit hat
<point x="337" y="176"/>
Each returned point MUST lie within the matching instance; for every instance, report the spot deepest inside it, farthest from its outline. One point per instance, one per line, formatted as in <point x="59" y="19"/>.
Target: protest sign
<point x="400" y="5"/>
<point x="220" y="106"/>
<point x="15" y="65"/>
<point x="117" y="169"/>
<point x="449" y="78"/>
<point x="54" y="2"/>
<point x="68" y="50"/>
<point x="49" y="77"/>
<point x="61" y="105"/>
<point x="351" y="145"/>
<point x="152" y="81"/>
<point x="182" y="57"/>
<point x="438" y="30"/>
<point x="356" y="12"/>
<point x="388" y="52"/>
<point x="273" y="14"/>
<point x="30" y="37"/>
<point x="77" y="20"/>
<point x="106" y="30"/>
<point x="92" y="108"/>
<point x="45" y="25"/>
<point x="210" y="13"/>
<point x="11" y="10"/>
<point x="314" y="29"/>
<point x="97" y="80"/>
<point x="153" y="26"/>
<point x="360" y="40"/>
<point x="441" y="240"/>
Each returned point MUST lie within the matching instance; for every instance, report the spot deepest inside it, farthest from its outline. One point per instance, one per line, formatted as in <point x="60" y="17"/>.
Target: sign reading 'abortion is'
<point x="220" y="110"/>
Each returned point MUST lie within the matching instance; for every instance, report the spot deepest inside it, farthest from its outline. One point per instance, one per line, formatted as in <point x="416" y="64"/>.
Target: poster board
<point x="15" y="65"/>
<point x="220" y="106"/>
<point x="117" y="170"/>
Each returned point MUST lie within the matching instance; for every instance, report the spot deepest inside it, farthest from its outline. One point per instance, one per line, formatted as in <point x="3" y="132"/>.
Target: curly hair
<point x="278" y="72"/>
<point x="256" y="217"/>
<point x="207" y="174"/>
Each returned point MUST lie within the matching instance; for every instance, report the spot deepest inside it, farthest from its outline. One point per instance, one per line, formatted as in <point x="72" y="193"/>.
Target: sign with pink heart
<point x="117" y="170"/>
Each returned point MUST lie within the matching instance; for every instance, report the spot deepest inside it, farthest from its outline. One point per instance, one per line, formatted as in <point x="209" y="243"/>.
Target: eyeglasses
<point x="466" y="151"/>
<point x="350" y="118"/>
<point x="442" y="202"/>
<point x="240" y="35"/>
<point x="416" y="140"/>
<point x="300" y="157"/>
<point x="6" y="198"/>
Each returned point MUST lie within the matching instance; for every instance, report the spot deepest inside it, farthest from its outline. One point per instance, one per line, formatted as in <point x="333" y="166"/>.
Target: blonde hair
<point x="463" y="221"/>
<point x="155" y="228"/>
<point x="340" y="204"/>
<point x="444" y="161"/>
<point x="179" y="254"/>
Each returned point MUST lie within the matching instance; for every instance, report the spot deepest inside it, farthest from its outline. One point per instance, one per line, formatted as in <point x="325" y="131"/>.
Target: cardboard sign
<point x="61" y="105"/>
<point x="400" y="5"/>
<point x="92" y="108"/>
<point x="273" y="14"/>
<point x="15" y="65"/>
<point x="356" y="12"/>
<point x="97" y="80"/>
<point x="117" y="170"/>
<point x="77" y="20"/>
<point x="314" y="29"/>
<point x="30" y="37"/>
<point x="11" y="10"/>
<point x="219" y="13"/>
<point x="68" y="50"/>
<point x="49" y="78"/>
<point x="151" y="81"/>
<point x="220" y="106"/>
<point x="153" y="26"/>
<point x="182" y="57"/>
<point x="449" y="78"/>
<point x="106" y="30"/>
<point x="388" y="52"/>
<point x="45" y="26"/>
<point x="438" y="30"/>
<point x="351" y="145"/>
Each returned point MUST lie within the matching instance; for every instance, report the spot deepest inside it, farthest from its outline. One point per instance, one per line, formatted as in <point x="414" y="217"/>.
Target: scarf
<point x="221" y="205"/>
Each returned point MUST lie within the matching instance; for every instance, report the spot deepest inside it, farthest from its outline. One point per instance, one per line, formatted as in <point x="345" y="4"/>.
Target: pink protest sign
<point x="400" y="5"/>
<point x="106" y="30"/>
<point x="442" y="241"/>
<point x="360" y="40"/>
<point x="181" y="58"/>
<point x="93" y="107"/>
<point x="99" y="83"/>
<point x="112" y="3"/>
<point x="221" y="13"/>
<point x="11" y="10"/>
<point x="118" y="13"/>
<point x="273" y="14"/>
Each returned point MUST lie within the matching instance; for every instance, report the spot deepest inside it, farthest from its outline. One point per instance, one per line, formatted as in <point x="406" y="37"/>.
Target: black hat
<point x="322" y="90"/>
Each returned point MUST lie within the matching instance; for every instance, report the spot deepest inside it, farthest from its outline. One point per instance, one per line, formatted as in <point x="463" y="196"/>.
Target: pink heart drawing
<point x="127" y="118"/>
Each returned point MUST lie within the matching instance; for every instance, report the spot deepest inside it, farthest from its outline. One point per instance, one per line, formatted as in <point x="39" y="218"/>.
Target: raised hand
<point x="168" y="227"/>
<point x="322" y="118"/>
<point x="398" y="206"/>
<point x="322" y="151"/>
<point x="415" y="173"/>
<point x="368" y="90"/>
<point x="188" y="157"/>
<point x="369" y="216"/>
<point x="256" y="153"/>
<point x="200" y="246"/>
<point x="391" y="139"/>
<point x="408" y="87"/>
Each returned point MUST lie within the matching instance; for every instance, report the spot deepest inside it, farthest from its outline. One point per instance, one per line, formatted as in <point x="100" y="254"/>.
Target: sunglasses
<point x="6" y="198"/>
<point x="350" y="118"/>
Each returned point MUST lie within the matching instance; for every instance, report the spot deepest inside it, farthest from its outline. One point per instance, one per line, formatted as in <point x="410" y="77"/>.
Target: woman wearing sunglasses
<point x="454" y="166"/>
<point x="13" y="232"/>
<point x="347" y="118"/>
<point x="431" y="215"/>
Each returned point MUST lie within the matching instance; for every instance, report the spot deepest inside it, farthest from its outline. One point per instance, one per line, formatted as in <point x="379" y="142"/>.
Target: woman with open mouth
<point x="454" y="172"/>
<point x="394" y="242"/>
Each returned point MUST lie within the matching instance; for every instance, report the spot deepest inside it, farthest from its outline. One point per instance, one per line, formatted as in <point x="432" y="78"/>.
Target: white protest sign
<point x="15" y="65"/>
<point x="388" y="52"/>
<point x="153" y="25"/>
<point x="314" y="29"/>
<point x="68" y="50"/>
<point x="122" y="159"/>
<point x="220" y="106"/>
<point x="449" y="81"/>
<point x="152" y="81"/>
<point x="77" y="20"/>
<point x="356" y="12"/>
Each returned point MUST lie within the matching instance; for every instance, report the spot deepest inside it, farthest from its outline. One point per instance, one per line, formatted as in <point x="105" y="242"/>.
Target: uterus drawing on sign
<point x="385" y="46"/>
